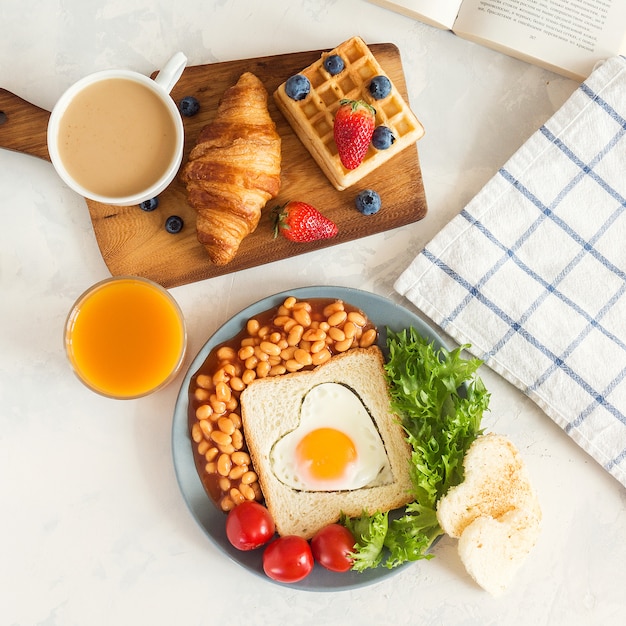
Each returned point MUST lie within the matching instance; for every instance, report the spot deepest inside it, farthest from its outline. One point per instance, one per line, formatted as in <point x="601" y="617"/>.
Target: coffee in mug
<point x="117" y="136"/>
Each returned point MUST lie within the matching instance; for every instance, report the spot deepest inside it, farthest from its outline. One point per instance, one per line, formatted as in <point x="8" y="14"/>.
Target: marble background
<point x="93" y="527"/>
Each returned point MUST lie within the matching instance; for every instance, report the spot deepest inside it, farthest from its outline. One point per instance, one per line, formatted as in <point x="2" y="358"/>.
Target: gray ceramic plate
<point x="383" y="313"/>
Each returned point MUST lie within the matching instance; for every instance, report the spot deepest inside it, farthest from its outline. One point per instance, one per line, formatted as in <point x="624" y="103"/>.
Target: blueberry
<point x="368" y="202"/>
<point x="189" y="106"/>
<point x="174" y="224"/>
<point x="297" y="87"/>
<point x="333" y="64"/>
<point x="382" y="138"/>
<point x="380" y="87"/>
<point x="149" y="205"/>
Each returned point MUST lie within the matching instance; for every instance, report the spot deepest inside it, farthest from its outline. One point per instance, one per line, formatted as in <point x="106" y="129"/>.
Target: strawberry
<point x="353" y="130"/>
<point x="301" y="222"/>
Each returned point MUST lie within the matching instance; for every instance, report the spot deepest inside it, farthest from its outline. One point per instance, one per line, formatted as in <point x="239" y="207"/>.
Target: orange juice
<point x="125" y="337"/>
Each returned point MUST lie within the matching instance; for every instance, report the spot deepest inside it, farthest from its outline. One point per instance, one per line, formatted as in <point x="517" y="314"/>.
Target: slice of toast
<point x="270" y="408"/>
<point x="312" y="118"/>
<point x="494" y="512"/>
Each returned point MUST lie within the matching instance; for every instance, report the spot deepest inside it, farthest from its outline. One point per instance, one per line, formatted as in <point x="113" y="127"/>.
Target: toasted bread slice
<point x="270" y="409"/>
<point x="494" y="512"/>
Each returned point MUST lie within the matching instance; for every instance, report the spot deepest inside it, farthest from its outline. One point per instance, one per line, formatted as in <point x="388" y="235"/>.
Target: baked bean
<point x="227" y="504"/>
<point x="314" y="334"/>
<point x="295" y="335"/>
<point x="196" y="433"/>
<point x="225" y="424"/>
<point x="263" y="332"/>
<point x="206" y="428"/>
<point x="241" y="458"/>
<point x="321" y="357"/>
<point x="247" y="492"/>
<point x="204" y="381"/>
<point x="252" y="326"/>
<point x="287" y="353"/>
<point x="222" y="392"/>
<point x="236" y="496"/>
<point x="281" y="320"/>
<point x="203" y="446"/>
<point x="237" y="471"/>
<point x="220" y="438"/>
<point x="329" y="309"/>
<point x="249" y="477"/>
<point x="263" y="369"/>
<point x="211" y="453"/>
<point x="270" y="348"/>
<point x="201" y="394"/>
<point x="337" y="318"/>
<point x="336" y="334"/>
<point x="303" y="357"/>
<point x="301" y="334"/>
<point x="349" y="329"/>
<point x="225" y="353"/>
<point x="246" y="352"/>
<point x="226" y="448"/>
<point x="224" y="464"/>
<point x="293" y="366"/>
<point x="235" y="418"/>
<point x="260" y="355"/>
<point x="257" y="490"/>
<point x="237" y="440"/>
<point x="368" y="338"/>
<point x="303" y="317"/>
<point x="204" y="411"/>
<point x="342" y="346"/>
<point x="316" y="346"/>
<point x="218" y="406"/>
<point x="248" y="376"/>
<point x="220" y="376"/>
<point x="237" y="384"/>
<point x="251" y="362"/>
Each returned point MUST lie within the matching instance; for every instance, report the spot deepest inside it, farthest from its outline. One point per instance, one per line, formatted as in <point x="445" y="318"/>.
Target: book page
<point x="440" y="13"/>
<point x="569" y="35"/>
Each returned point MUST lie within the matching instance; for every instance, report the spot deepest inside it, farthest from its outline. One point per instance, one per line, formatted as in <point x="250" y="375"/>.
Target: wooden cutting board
<point x="135" y="242"/>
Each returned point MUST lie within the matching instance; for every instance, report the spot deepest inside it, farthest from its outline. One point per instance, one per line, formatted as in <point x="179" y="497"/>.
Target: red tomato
<point x="288" y="559"/>
<point x="249" y="525"/>
<point x="331" y="547"/>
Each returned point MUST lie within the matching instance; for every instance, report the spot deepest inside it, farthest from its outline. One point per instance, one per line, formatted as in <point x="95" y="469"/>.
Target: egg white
<point x="333" y="405"/>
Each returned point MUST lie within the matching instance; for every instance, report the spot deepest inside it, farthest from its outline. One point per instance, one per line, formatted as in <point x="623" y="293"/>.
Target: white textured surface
<point x="93" y="528"/>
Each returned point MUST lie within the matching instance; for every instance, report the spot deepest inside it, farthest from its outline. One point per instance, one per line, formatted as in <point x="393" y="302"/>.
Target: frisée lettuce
<point x="440" y="402"/>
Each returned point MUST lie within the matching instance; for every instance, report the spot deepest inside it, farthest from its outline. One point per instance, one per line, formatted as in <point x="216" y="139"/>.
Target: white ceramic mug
<point x="116" y="136"/>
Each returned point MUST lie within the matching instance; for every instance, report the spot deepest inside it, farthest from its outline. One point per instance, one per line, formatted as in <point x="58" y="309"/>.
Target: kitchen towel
<point x="532" y="272"/>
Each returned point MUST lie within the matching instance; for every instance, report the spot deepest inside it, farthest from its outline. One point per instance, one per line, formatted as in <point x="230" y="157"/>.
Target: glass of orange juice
<point x="125" y="337"/>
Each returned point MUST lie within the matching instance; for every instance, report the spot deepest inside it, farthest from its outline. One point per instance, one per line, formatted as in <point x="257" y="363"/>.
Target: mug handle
<point x="169" y="75"/>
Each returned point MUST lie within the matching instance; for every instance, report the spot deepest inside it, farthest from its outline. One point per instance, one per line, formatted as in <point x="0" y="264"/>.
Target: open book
<point x="565" y="36"/>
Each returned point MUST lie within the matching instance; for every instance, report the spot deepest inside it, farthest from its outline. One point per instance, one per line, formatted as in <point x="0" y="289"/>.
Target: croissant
<point x="234" y="169"/>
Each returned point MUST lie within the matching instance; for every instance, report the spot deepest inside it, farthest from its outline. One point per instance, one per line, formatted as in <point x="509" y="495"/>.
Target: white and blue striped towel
<point x="532" y="272"/>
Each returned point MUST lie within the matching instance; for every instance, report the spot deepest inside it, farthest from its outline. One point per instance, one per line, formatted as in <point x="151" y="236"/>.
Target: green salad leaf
<point x="440" y="402"/>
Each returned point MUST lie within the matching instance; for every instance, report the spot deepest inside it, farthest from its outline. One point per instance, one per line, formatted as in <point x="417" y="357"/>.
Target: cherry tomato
<point x="331" y="547"/>
<point x="249" y="526"/>
<point x="288" y="559"/>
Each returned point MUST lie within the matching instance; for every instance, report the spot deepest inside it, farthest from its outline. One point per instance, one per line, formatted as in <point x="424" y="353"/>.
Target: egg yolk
<point x="326" y="453"/>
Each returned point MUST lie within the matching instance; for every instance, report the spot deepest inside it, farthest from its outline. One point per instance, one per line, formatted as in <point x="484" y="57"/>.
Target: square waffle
<point x="312" y="118"/>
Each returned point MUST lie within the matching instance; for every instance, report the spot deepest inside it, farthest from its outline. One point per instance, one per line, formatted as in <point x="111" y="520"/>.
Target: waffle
<point x="312" y="118"/>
